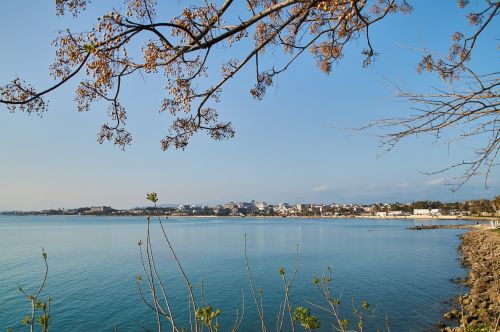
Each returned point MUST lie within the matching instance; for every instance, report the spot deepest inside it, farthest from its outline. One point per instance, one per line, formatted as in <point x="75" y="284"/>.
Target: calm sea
<point x="404" y="275"/>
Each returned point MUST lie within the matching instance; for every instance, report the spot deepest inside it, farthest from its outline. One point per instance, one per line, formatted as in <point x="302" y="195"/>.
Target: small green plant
<point x="153" y="197"/>
<point x="38" y="307"/>
<point x="207" y="316"/>
<point x="478" y="328"/>
<point x="307" y="321"/>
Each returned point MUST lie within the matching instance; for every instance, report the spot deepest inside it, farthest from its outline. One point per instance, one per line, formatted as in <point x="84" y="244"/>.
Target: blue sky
<point x="288" y="147"/>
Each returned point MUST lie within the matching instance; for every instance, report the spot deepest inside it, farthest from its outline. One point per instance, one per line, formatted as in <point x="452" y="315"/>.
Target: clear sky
<point x="287" y="147"/>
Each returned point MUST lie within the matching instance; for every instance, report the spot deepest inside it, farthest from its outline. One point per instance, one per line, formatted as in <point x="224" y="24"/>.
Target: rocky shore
<point x="478" y="310"/>
<point x="424" y="227"/>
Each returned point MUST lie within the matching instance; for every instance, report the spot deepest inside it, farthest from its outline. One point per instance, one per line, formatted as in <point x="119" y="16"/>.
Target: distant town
<point x="419" y="209"/>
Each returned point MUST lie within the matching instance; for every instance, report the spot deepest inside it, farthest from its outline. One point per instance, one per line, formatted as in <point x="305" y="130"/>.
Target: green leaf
<point x="307" y="321"/>
<point x="153" y="197"/>
<point x="315" y="280"/>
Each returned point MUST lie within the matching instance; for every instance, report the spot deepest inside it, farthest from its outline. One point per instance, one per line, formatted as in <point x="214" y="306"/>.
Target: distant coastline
<point x="418" y="210"/>
<point x="422" y="218"/>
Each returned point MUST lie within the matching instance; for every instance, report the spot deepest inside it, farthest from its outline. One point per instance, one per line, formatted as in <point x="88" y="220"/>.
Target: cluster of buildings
<point x="420" y="209"/>
<point x="254" y="208"/>
<point x="93" y="210"/>
<point x="382" y="210"/>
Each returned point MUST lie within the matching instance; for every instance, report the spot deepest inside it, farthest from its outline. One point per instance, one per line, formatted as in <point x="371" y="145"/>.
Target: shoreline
<point x="479" y="308"/>
<point x="422" y="218"/>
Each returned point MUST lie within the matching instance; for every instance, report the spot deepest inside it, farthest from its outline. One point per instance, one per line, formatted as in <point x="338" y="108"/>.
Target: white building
<point x="300" y="207"/>
<point x="230" y="205"/>
<point x="95" y="209"/>
<point x="395" y="213"/>
<point x="260" y="205"/>
<point x="426" y="212"/>
<point x="184" y="207"/>
<point x="246" y="205"/>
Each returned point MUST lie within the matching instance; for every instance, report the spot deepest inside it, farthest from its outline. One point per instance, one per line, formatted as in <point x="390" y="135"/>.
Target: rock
<point x="447" y="315"/>
<point x="418" y="228"/>
<point x="440" y="324"/>
<point x="481" y="285"/>
<point x="480" y="251"/>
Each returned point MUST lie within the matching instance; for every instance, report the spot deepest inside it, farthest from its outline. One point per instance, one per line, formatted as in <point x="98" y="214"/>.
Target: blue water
<point x="93" y="262"/>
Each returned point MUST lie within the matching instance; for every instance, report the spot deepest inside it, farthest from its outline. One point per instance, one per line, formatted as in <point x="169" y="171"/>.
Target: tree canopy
<point x="134" y="39"/>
